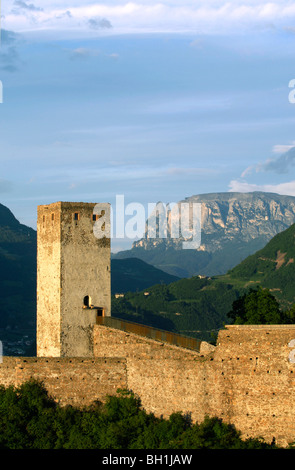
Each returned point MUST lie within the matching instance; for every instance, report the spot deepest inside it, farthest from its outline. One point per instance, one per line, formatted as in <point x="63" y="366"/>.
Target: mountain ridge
<point x="233" y="226"/>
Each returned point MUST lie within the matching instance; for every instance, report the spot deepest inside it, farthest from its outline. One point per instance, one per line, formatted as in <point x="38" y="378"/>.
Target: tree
<point x="257" y="307"/>
<point x="289" y="315"/>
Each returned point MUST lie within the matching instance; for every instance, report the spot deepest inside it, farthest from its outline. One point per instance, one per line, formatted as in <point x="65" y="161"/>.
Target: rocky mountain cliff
<point x="233" y="226"/>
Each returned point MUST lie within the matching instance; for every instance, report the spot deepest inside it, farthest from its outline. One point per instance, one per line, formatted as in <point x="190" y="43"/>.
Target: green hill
<point x="199" y="306"/>
<point x="17" y="272"/>
<point x="272" y="267"/>
<point x="132" y="274"/>
<point x="195" y="307"/>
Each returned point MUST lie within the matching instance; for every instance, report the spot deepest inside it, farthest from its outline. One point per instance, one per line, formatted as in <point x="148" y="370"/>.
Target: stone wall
<point x="167" y="378"/>
<point x="71" y="381"/>
<point x="257" y="380"/>
<point x="247" y="380"/>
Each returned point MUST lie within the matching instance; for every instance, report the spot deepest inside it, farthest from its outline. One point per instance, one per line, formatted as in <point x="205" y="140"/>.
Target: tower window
<point x="76" y="216"/>
<point x="94" y="217"/>
<point x="86" y="301"/>
<point x="52" y="216"/>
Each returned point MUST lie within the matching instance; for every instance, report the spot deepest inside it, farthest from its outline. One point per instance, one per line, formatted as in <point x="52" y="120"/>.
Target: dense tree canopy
<point x="257" y="307"/>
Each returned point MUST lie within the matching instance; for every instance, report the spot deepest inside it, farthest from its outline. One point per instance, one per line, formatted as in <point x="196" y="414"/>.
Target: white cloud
<point x="279" y="165"/>
<point x="83" y="53"/>
<point x="287" y="189"/>
<point x="282" y="148"/>
<point x="146" y="16"/>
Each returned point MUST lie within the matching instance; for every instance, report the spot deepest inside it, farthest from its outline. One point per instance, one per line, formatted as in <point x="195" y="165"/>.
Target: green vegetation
<point x="188" y="263"/>
<point x="133" y="274"/>
<point x="17" y="273"/>
<point x="30" y="419"/>
<point x="200" y="307"/>
<point x="273" y="267"/>
<point x="195" y="307"/>
<point x="260" y="307"/>
<point x="258" y="290"/>
<point x="180" y="263"/>
<point x="257" y="307"/>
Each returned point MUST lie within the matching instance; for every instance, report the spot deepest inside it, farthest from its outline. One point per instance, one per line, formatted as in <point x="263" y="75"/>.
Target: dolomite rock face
<point x="233" y="216"/>
<point x="233" y="226"/>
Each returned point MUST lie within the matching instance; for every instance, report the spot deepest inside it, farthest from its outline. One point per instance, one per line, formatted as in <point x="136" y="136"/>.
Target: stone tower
<point x="73" y="276"/>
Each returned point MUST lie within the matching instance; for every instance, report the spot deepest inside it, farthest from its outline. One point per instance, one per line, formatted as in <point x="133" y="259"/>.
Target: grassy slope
<point x="199" y="306"/>
<point x="273" y="267"/>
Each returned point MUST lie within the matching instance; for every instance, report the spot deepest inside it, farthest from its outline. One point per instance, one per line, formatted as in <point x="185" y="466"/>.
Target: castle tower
<point x="73" y="276"/>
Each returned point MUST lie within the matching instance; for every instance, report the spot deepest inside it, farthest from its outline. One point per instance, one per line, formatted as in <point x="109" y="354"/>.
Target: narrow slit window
<point x="52" y="216"/>
<point x="76" y="216"/>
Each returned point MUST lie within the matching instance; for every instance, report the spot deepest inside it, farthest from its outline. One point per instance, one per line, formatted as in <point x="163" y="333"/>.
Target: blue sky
<point x="152" y="100"/>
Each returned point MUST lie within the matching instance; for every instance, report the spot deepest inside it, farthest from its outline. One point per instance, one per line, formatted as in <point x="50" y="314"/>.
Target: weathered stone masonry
<point x="73" y="276"/>
<point x="75" y="381"/>
<point x="247" y="380"/>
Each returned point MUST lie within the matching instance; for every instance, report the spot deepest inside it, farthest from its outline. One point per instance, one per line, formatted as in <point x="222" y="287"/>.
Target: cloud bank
<point x="287" y="189"/>
<point x="279" y="166"/>
<point x="203" y="17"/>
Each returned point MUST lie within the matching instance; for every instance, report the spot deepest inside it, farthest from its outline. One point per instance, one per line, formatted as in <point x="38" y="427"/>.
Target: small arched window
<point x="86" y="301"/>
